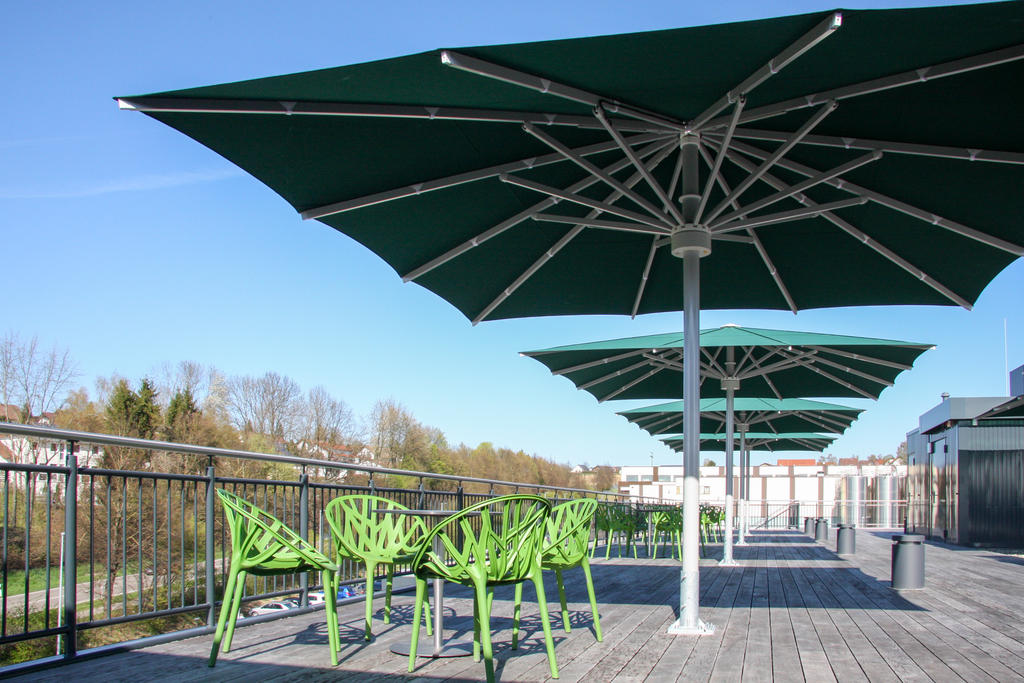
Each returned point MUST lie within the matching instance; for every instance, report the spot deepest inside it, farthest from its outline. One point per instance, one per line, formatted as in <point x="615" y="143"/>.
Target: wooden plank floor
<point x="791" y="610"/>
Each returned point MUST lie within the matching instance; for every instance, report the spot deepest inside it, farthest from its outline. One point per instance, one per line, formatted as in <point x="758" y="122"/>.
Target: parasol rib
<point x="866" y="240"/>
<point x="528" y="273"/>
<point x="546" y="86"/>
<point x="186" y="105"/>
<point x="639" y="165"/>
<point x="591" y="364"/>
<point x="774" y="157"/>
<point x="798" y="188"/>
<point x="716" y="167"/>
<point x="870" y="359"/>
<point x="599" y="223"/>
<point x="665" y="148"/>
<point x="807" y="41"/>
<point x="584" y="201"/>
<point x="961" y="153"/>
<point x="590" y="168"/>
<point x="841" y="382"/>
<point x="912" y="77"/>
<point x="788" y="216"/>
<point x="461" y="178"/>
<point x="613" y="196"/>
<point x="895" y="204"/>
<point x="643" y="278"/>
<point x="762" y="252"/>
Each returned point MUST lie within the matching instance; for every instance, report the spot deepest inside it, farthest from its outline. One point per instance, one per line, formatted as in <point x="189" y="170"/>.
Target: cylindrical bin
<point x="809" y="526"/>
<point x="907" y="561"/>
<point x="846" y="540"/>
<point x="821" y="529"/>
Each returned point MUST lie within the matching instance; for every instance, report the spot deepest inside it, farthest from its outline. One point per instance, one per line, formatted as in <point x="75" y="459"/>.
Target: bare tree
<point x="326" y="421"/>
<point x="269" y="405"/>
<point x="397" y="438"/>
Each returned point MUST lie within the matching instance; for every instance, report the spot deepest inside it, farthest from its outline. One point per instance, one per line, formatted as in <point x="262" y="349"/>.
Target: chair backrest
<point x="568" y="537"/>
<point x="499" y="539"/>
<point x="360" y="532"/>
<point x="257" y="536"/>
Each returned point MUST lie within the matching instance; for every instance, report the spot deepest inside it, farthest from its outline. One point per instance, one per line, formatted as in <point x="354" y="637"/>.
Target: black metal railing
<point x="86" y="549"/>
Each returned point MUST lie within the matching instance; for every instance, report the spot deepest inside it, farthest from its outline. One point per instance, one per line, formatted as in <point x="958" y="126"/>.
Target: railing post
<point x="304" y="532"/>
<point x="211" y="585"/>
<point x="70" y="561"/>
<point x="460" y="496"/>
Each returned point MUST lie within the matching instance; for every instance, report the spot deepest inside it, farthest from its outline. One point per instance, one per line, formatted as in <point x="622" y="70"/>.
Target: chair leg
<point x="387" y="593"/>
<point x="517" y="604"/>
<point x="428" y="617"/>
<point x="371" y="569"/>
<point x="542" y="604"/>
<point x="476" y="628"/>
<point x="483" y="604"/>
<point x="236" y="602"/>
<point x="331" y="608"/>
<point x="566" y="626"/>
<point x="225" y="609"/>
<point x="421" y="593"/>
<point x="593" y="598"/>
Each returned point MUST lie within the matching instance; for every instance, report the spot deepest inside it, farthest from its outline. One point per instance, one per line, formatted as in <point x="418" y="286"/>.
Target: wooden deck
<point x="792" y="611"/>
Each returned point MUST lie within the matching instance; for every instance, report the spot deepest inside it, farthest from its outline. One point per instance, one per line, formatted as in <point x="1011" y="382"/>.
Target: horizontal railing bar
<point x="102" y="472"/>
<point x="52" y="469"/>
<point x="144" y="444"/>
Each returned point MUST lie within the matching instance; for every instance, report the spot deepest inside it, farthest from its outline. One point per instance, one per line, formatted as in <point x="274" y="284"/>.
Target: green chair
<point x="603" y="522"/>
<point x="492" y="543"/>
<point x="362" y="534"/>
<point x="668" y="523"/>
<point x="262" y="545"/>
<point x="565" y="547"/>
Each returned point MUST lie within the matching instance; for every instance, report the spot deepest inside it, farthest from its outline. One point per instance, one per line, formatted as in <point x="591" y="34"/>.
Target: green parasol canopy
<point x="537" y="171"/>
<point x="761" y="414"/>
<point x="766" y="363"/>
<point x="761" y="441"/>
<point x="830" y="159"/>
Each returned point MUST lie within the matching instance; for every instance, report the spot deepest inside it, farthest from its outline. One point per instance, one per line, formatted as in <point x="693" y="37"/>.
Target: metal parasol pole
<point x="730" y="384"/>
<point x="691" y="242"/>
<point x="744" y="483"/>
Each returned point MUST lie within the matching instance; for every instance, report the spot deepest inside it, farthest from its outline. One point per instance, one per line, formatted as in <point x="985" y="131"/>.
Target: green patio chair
<point x="262" y="545"/>
<point x="491" y="543"/>
<point x="668" y="525"/>
<point x="565" y="547"/>
<point x="603" y="522"/>
<point x="362" y="534"/>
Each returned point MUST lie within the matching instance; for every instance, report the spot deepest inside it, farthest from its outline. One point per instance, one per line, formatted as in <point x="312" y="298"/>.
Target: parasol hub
<point x="690" y="239"/>
<point x="730" y="383"/>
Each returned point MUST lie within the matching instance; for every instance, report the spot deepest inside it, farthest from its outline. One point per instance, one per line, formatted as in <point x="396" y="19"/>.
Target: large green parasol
<point x="762" y="414"/>
<point x="760" y="441"/>
<point x="830" y="159"/>
<point x="761" y="363"/>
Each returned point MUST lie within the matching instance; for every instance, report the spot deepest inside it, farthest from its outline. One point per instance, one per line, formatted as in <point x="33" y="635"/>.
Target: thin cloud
<point x="140" y="183"/>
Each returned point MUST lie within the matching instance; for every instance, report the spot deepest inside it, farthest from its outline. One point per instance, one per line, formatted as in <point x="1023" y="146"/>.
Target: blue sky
<point x="133" y="246"/>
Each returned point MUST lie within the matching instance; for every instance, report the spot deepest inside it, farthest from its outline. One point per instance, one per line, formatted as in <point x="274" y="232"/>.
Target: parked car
<point x="275" y="607"/>
<point x="316" y="597"/>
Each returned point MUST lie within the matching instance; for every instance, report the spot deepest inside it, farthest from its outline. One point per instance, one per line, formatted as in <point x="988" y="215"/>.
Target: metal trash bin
<point x="809" y="526"/>
<point x="821" y="529"/>
<point x="846" y="540"/>
<point x="907" y="561"/>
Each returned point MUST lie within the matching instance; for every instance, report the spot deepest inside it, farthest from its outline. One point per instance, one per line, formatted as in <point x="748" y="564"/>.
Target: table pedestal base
<point x="425" y="648"/>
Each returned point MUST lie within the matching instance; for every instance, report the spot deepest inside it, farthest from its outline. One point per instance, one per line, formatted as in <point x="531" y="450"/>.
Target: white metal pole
<point x="691" y="243"/>
<point x="744" y="484"/>
<point x="730" y="391"/>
